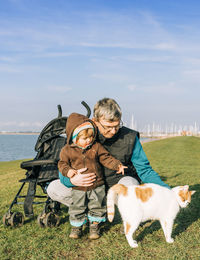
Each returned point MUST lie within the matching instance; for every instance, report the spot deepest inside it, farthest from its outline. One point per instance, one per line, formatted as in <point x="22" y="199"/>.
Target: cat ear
<point x="192" y="192"/>
<point x="186" y="187"/>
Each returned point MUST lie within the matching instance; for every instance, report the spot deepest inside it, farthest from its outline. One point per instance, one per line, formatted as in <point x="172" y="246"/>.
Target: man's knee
<point x="52" y="188"/>
<point x="128" y="181"/>
<point x="59" y="192"/>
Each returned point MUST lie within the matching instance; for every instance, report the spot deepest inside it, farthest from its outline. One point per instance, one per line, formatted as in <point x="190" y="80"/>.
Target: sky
<point x="144" y="54"/>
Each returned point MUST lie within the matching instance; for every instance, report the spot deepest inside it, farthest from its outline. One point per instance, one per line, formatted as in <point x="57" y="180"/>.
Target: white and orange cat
<point x="139" y="203"/>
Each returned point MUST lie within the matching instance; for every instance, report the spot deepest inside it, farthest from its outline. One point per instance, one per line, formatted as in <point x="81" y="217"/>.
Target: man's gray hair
<point x="107" y="109"/>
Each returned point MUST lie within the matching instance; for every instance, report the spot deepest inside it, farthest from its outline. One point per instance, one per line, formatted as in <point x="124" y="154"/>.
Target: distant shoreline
<point x="149" y="138"/>
<point x="19" y="133"/>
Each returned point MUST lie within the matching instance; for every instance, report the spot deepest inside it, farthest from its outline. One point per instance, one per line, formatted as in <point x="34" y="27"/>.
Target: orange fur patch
<point x="127" y="227"/>
<point x="143" y="193"/>
<point x="185" y="195"/>
<point x="120" y="189"/>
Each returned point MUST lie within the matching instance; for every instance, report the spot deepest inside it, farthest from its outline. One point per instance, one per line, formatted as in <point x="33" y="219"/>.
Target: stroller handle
<point x="83" y="103"/>
<point x="87" y="107"/>
<point x="59" y="111"/>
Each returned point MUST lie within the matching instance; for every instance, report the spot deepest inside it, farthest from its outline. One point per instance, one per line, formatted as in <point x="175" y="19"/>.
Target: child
<point x="82" y="151"/>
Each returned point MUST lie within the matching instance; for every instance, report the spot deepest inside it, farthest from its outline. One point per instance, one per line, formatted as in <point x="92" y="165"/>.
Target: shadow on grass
<point x="62" y="212"/>
<point x="165" y="178"/>
<point x="66" y="216"/>
<point x="29" y="220"/>
<point x="149" y="228"/>
<point x="117" y="220"/>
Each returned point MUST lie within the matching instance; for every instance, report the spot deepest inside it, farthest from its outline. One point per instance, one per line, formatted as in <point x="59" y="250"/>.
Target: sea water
<point x="19" y="146"/>
<point x="16" y="147"/>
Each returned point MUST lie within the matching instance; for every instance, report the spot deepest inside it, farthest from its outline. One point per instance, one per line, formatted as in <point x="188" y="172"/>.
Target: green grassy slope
<point x="177" y="160"/>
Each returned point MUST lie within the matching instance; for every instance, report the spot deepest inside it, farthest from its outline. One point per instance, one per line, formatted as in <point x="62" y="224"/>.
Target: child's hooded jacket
<point x="73" y="157"/>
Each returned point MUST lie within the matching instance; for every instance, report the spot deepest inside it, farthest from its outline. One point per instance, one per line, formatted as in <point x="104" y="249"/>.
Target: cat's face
<point x="183" y="195"/>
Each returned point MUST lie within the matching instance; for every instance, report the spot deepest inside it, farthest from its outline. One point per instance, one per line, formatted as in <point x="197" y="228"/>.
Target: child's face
<point x="84" y="141"/>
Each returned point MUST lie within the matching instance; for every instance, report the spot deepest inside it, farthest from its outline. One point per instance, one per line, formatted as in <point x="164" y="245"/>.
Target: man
<point x="122" y="143"/>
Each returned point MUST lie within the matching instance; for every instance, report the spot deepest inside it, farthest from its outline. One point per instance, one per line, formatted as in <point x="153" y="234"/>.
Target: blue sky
<point x="145" y="54"/>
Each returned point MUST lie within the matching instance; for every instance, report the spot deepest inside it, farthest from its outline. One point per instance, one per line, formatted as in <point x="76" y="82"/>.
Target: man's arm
<point x="65" y="181"/>
<point x="142" y="166"/>
<point x="79" y="179"/>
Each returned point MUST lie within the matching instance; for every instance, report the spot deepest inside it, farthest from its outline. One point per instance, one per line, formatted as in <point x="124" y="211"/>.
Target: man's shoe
<point x="76" y="232"/>
<point x="94" y="231"/>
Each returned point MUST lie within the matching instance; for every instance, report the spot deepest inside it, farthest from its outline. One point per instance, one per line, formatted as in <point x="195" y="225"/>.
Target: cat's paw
<point x="170" y="240"/>
<point x="133" y="244"/>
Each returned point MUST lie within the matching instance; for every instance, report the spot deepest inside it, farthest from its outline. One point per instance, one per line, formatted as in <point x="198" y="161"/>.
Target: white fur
<point x="163" y="205"/>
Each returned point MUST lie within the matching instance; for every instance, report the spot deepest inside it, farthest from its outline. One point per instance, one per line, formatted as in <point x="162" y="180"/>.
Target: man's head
<point x="107" y="116"/>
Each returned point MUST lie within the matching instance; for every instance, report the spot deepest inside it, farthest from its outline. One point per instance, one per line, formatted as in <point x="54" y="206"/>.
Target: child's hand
<point x="71" y="173"/>
<point x="121" y="168"/>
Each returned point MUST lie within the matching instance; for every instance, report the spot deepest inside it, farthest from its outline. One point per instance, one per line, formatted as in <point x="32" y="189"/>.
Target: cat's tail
<point x="114" y="191"/>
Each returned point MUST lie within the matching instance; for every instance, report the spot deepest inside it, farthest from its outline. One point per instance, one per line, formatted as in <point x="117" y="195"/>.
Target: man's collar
<point x="102" y="139"/>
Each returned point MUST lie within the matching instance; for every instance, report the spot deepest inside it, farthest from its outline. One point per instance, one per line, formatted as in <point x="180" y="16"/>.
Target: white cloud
<point x="110" y="77"/>
<point x="167" y="88"/>
<point x="165" y="46"/>
<point x="59" y="89"/>
<point x="145" y="58"/>
<point x="132" y="87"/>
<point x="100" y="30"/>
<point x="107" y="44"/>
<point x="24" y="124"/>
<point x="192" y="75"/>
<point x="7" y="59"/>
<point x="143" y="30"/>
<point x="9" y="69"/>
<point x="192" y="72"/>
<point x="56" y="54"/>
<point x="192" y="61"/>
<point x="21" y="124"/>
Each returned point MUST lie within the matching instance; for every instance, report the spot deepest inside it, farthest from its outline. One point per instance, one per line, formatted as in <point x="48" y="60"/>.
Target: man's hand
<point x="71" y="173"/>
<point x="83" y="180"/>
<point x="121" y="169"/>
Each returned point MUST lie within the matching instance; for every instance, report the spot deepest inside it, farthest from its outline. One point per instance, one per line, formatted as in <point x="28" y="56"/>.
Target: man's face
<point x="107" y="129"/>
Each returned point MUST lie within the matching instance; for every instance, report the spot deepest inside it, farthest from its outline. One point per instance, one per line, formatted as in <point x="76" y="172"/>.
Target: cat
<point x="139" y="203"/>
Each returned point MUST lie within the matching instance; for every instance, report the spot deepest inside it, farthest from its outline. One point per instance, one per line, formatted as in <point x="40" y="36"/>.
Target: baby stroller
<point x="41" y="171"/>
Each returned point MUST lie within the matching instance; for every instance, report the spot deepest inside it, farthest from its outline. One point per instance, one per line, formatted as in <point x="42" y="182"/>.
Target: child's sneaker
<point x="76" y="232"/>
<point x="94" y="231"/>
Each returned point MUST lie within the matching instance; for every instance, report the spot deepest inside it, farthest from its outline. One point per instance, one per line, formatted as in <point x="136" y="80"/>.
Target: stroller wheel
<point x="51" y="220"/>
<point x="40" y="219"/>
<point x="6" y="219"/>
<point x="17" y="219"/>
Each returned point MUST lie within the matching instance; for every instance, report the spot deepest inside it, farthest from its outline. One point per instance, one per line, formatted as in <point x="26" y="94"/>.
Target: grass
<point x="177" y="160"/>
